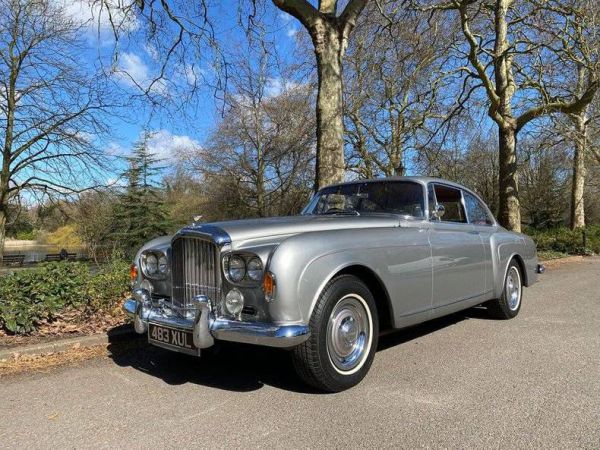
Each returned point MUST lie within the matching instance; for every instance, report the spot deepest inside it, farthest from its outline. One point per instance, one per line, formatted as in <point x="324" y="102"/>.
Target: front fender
<point x="304" y="264"/>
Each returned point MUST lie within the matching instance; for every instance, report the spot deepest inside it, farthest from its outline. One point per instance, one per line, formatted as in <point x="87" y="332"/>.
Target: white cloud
<point x="96" y="15"/>
<point x="162" y="143"/>
<point x="113" y="181"/>
<point x="115" y="149"/>
<point x="292" y="31"/>
<point x="277" y="86"/>
<point x="132" y="71"/>
<point x="165" y="145"/>
<point x="283" y="16"/>
<point x="151" y="51"/>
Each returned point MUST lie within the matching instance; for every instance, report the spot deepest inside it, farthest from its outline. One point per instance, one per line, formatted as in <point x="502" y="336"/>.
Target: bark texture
<point x="2" y="232"/>
<point x="327" y="41"/>
<point x="329" y="32"/>
<point x="509" y="210"/>
<point x="579" y="172"/>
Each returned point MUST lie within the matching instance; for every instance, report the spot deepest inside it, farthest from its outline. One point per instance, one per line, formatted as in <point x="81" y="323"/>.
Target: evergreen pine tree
<point x="141" y="214"/>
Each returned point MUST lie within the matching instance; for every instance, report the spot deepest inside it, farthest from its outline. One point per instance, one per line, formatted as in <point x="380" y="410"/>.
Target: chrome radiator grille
<point x="195" y="271"/>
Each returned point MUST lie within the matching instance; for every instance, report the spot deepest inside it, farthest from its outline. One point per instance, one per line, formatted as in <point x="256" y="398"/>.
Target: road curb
<point x="68" y="343"/>
<point x="558" y="262"/>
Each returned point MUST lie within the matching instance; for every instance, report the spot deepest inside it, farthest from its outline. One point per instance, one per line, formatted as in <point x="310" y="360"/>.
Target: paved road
<point x="463" y="381"/>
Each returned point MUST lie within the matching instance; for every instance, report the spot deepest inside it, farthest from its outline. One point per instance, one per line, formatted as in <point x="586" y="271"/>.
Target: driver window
<point x="451" y="199"/>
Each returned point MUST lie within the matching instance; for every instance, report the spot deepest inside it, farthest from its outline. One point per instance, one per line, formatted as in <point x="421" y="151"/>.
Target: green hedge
<point x="564" y="240"/>
<point x="28" y="297"/>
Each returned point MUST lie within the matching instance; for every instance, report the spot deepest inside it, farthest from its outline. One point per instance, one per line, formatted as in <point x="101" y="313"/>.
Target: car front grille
<point x="195" y="270"/>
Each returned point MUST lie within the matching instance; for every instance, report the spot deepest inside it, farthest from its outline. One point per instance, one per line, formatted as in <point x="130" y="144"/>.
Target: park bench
<point x="13" y="260"/>
<point x="59" y="257"/>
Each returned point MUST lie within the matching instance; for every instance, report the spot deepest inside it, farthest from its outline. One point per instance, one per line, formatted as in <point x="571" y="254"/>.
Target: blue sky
<point x="137" y="63"/>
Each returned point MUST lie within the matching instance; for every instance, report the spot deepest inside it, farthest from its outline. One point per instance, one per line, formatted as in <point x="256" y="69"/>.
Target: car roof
<point x="414" y="179"/>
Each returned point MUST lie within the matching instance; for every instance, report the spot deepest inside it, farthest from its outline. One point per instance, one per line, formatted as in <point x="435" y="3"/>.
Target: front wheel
<point x="344" y="332"/>
<point x="509" y="304"/>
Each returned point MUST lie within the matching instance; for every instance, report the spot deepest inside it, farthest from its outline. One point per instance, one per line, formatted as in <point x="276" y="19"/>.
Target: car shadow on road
<point x="244" y="368"/>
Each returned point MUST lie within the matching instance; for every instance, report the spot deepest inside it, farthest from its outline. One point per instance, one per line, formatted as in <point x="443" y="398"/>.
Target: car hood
<point x="248" y="229"/>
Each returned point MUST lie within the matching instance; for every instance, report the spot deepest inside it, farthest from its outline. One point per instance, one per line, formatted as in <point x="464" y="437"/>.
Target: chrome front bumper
<point x="206" y="327"/>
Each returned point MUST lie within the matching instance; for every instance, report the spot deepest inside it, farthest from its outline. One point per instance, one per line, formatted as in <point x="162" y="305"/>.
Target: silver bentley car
<point x="362" y="258"/>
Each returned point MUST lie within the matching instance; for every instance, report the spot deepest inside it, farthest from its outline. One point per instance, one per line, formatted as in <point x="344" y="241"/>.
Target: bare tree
<point x="182" y="32"/>
<point x="475" y="166"/>
<point x="51" y="105"/>
<point x="509" y="51"/>
<point x="544" y="177"/>
<point x="259" y="157"/>
<point x="585" y="53"/>
<point x="395" y="84"/>
<point x="94" y="217"/>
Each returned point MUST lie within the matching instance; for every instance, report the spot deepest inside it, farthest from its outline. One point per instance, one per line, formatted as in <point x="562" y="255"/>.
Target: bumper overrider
<point x="206" y="327"/>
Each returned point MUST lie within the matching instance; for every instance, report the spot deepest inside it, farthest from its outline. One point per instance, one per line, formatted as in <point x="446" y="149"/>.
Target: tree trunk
<point x="509" y="213"/>
<point x="397" y="126"/>
<point x="328" y="42"/>
<point x="260" y="185"/>
<point x="579" y="173"/>
<point x="2" y="232"/>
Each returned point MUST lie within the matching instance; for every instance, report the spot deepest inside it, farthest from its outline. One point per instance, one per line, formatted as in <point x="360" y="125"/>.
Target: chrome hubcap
<point x="349" y="333"/>
<point x="513" y="288"/>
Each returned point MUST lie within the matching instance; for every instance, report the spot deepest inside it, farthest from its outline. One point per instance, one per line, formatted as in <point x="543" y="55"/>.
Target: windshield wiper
<point x="346" y="212"/>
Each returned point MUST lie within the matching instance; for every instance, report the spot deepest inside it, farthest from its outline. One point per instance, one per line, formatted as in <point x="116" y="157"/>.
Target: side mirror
<point x="438" y="212"/>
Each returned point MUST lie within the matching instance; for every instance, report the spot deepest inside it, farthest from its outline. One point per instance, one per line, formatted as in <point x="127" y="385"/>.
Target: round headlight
<point x="255" y="269"/>
<point x="234" y="302"/>
<point x="163" y="264"/>
<point x="151" y="264"/>
<point x="237" y="268"/>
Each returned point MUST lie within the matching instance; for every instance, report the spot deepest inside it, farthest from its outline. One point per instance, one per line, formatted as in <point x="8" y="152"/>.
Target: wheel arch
<point x="521" y="263"/>
<point x="376" y="287"/>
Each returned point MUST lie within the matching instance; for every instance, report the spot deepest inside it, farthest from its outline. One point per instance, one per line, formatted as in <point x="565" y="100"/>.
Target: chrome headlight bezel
<point x="254" y="269"/>
<point x="153" y="270"/>
<point x="244" y="263"/>
<point x="236" y="268"/>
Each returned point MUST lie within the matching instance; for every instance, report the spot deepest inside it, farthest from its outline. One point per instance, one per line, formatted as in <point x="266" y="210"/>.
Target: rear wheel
<point x="509" y="304"/>
<point x="344" y="333"/>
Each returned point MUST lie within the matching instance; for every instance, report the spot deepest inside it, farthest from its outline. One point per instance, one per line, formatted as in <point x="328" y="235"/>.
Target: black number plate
<point x="171" y="337"/>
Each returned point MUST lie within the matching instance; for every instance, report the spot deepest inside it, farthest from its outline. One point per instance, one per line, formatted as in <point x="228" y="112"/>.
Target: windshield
<point x="396" y="197"/>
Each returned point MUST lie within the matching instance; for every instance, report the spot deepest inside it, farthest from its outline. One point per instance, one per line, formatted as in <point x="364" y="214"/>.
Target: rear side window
<point x="450" y="198"/>
<point x="478" y="213"/>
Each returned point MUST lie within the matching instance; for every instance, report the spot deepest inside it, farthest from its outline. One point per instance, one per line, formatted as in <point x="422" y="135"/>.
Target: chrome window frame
<point x="462" y="202"/>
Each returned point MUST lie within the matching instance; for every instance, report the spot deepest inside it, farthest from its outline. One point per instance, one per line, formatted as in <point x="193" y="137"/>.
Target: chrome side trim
<point x="206" y="327"/>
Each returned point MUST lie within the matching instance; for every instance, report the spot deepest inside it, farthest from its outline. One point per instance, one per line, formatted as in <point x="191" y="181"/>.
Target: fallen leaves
<point x="41" y="363"/>
<point x="72" y="322"/>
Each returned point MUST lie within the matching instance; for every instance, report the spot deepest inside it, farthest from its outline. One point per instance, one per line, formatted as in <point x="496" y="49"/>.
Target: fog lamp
<point x="147" y="285"/>
<point x="234" y="302"/>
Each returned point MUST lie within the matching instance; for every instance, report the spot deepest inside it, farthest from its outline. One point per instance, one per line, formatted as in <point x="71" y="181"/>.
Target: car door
<point x="458" y="256"/>
<point x="484" y="223"/>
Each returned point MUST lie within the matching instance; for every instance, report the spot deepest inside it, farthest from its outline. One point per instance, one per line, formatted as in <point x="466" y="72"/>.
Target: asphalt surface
<point x="463" y="381"/>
